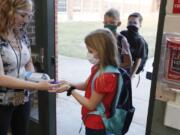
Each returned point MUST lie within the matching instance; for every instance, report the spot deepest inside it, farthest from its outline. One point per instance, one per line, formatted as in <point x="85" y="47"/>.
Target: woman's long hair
<point x="8" y="9"/>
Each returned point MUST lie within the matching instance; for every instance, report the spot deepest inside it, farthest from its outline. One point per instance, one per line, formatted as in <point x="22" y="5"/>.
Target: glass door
<point x="43" y="111"/>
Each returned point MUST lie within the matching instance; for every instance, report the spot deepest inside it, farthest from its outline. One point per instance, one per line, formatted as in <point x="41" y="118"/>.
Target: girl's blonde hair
<point x="104" y="42"/>
<point x="8" y="9"/>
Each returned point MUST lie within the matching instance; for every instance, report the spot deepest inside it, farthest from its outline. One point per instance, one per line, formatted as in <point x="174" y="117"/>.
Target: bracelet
<point x="69" y="91"/>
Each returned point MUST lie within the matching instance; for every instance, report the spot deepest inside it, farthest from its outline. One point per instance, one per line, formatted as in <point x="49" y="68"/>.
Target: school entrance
<point x="59" y="50"/>
<point x="75" y="20"/>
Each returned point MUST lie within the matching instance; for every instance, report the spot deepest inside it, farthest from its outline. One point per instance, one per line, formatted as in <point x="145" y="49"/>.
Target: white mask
<point x="91" y="59"/>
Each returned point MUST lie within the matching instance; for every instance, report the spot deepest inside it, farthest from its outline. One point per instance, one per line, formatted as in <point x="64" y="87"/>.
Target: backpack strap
<point x="100" y="108"/>
<point x="127" y="82"/>
<point x="119" y="40"/>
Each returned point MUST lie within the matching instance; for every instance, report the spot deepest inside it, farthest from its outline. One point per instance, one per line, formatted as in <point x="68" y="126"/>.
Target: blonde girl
<point x="102" y="52"/>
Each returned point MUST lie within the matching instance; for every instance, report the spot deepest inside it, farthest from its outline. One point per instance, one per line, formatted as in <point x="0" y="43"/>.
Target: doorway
<point x="76" y="18"/>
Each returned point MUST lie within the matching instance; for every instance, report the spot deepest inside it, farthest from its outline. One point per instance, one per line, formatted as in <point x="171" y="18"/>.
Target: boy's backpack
<point x="119" y="43"/>
<point x="119" y="39"/>
<point x="124" y="45"/>
<point x="134" y="40"/>
<point x="122" y="108"/>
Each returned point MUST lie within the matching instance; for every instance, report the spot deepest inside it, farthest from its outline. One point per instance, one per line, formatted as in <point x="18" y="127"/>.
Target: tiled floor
<point x="68" y="110"/>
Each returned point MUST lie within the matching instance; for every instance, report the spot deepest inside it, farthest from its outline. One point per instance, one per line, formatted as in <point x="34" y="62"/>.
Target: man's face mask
<point x="92" y="59"/>
<point x="111" y="27"/>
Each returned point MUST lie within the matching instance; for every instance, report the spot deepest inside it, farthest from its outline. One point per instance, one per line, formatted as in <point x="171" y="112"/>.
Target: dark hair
<point x="138" y="15"/>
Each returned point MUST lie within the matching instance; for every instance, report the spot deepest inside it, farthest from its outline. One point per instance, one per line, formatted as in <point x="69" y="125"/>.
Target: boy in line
<point x="138" y="46"/>
<point x="112" y="22"/>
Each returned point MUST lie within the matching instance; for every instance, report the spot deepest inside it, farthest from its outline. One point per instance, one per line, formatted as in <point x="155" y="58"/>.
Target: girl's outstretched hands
<point x="60" y="87"/>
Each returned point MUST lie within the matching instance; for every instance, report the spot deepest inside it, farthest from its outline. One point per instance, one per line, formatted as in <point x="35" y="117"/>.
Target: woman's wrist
<point x="38" y="86"/>
<point x="44" y="85"/>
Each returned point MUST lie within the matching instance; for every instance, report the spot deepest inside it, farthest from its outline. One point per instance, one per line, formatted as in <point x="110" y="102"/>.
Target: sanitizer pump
<point x="35" y="77"/>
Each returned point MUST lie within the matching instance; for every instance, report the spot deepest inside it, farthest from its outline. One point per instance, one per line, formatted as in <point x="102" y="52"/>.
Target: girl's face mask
<point x="92" y="59"/>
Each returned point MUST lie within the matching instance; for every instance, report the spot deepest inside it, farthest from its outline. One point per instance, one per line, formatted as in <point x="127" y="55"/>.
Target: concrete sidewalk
<point x="69" y="110"/>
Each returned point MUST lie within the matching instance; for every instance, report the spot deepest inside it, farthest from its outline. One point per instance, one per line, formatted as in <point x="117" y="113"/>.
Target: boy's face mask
<point x="132" y="28"/>
<point x="110" y="23"/>
<point x="111" y="27"/>
<point x="133" y="24"/>
<point x="92" y="59"/>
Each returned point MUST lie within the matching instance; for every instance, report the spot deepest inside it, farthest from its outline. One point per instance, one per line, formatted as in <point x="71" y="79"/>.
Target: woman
<point x="102" y="52"/>
<point x="15" y="60"/>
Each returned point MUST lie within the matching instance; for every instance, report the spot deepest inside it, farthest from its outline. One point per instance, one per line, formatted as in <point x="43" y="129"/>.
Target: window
<point x="62" y="5"/>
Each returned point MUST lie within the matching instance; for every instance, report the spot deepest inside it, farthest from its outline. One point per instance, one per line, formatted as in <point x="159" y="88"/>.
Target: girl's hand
<point x="61" y="87"/>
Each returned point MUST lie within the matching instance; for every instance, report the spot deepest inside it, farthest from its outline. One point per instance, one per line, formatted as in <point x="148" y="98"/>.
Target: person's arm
<point x="65" y="85"/>
<point x="126" y="61"/>
<point x="91" y="103"/>
<point x="140" y="52"/>
<point x="81" y="86"/>
<point x="12" y="82"/>
<point x="135" y="67"/>
<point x="105" y="83"/>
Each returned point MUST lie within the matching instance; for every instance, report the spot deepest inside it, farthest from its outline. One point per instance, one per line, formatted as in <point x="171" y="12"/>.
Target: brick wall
<point x="31" y="32"/>
<point x="32" y="38"/>
<point x="31" y="35"/>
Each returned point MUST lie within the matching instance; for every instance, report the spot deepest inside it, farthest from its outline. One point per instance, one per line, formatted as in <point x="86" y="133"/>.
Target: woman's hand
<point x="46" y="85"/>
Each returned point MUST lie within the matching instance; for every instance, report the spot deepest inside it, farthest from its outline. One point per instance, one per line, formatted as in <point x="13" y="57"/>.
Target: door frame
<point x="162" y="14"/>
<point x="45" y="38"/>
